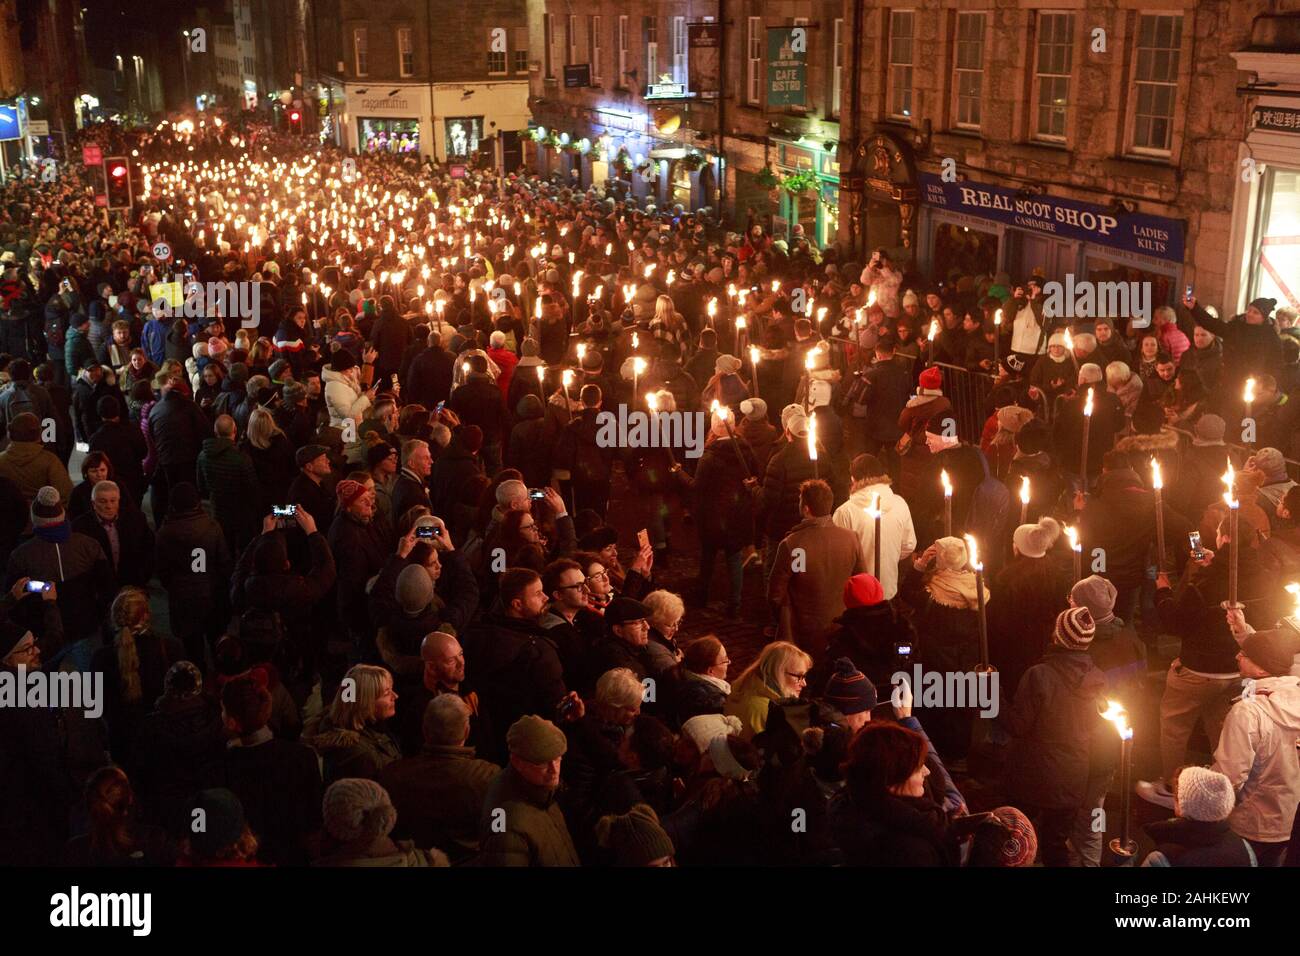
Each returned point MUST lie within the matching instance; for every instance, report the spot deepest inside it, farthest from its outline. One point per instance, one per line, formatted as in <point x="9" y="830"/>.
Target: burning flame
<point x="873" y="509"/>
<point x="997" y="317"/>
<point x="1157" y="479"/>
<point x="871" y="298"/>
<point x="1118" y="716"/>
<point x="1229" y="478"/>
<point x="812" y="437"/>
<point x="638" y="365"/>
<point x="541" y="374"/>
<point x="973" y="549"/>
<point x="1069" y="342"/>
<point x="934" y="329"/>
<point x="566" y="377"/>
<point x="947" y="484"/>
<point x="582" y="350"/>
<point x="652" y="401"/>
<point x="754" y="356"/>
<point x="1249" y="395"/>
<point x="1072" y="533"/>
<point x="1024" y="489"/>
<point x="1294" y="590"/>
<point x="1087" y="405"/>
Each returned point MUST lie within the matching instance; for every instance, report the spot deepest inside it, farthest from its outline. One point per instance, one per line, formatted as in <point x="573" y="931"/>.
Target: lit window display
<point x="389" y="135"/>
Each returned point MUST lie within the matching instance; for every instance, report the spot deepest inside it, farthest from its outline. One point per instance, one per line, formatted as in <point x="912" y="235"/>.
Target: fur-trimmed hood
<point x="1165" y="440"/>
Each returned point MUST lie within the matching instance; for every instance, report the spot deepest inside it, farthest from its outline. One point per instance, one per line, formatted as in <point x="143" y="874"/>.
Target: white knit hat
<point x="704" y="727"/>
<point x="1205" y="794"/>
<point x="1034" y="540"/>
<point x="355" y="808"/>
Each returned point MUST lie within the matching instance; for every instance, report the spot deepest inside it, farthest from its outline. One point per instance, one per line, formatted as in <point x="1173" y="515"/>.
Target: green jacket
<point x="31" y="467"/>
<point x="227" y="477"/>
<point x="522" y="825"/>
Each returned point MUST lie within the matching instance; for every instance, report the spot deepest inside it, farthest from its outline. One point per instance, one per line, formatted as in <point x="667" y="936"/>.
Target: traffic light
<point x="295" y="121"/>
<point x="118" y="173"/>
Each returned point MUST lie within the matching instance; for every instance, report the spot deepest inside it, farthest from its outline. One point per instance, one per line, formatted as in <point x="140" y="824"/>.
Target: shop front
<point x="972" y="228"/>
<point x="814" y="167"/>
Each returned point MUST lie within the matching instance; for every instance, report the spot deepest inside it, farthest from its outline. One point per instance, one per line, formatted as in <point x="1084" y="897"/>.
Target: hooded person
<point x="529" y="447"/>
<point x="1028" y="594"/>
<point x="1053" y="374"/>
<point x="1053" y="721"/>
<point x="871" y="486"/>
<point x="1256" y="750"/>
<point x="1204" y="462"/>
<point x="1107" y="420"/>
<point x="998" y="441"/>
<point x="1275" y="481"/>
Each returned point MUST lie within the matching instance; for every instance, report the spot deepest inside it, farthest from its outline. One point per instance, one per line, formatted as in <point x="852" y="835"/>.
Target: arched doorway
<point x="885" y="210"/>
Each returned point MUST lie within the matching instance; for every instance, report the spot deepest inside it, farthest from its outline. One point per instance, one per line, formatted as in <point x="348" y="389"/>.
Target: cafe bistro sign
<point x="1153" y="236"/>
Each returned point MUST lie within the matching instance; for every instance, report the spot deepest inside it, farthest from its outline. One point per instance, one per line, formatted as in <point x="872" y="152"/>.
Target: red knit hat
<point x="863" y="590"/>
<point x="932" y="378"/>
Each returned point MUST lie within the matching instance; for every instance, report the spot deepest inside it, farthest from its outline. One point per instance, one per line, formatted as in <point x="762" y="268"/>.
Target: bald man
<point x="444" y="673"/>
<point x="226" y="477"/>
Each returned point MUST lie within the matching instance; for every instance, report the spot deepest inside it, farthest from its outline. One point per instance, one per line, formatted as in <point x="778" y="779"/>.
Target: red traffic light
<point x="294" y="116"/>
<point x="118" y="171"/>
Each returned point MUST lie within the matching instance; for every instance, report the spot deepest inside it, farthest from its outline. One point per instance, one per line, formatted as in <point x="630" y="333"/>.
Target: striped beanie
<point x="1075" y="629"/>
<point x="849" y="690"/>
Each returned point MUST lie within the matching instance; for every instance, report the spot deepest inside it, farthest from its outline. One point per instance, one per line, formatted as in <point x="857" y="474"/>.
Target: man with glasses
<point x="624" y="644"/>
<point x="37" y="790"/>
<point x="569" y="623"/>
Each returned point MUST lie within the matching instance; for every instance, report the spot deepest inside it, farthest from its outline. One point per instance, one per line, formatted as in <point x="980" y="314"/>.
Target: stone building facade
<point x="441" y="80"/>
<point x="1098" y="138"/>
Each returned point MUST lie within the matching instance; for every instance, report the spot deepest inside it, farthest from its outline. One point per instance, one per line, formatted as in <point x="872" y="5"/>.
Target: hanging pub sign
<point x="703" y="62"/>
<point x="787" y="66"/>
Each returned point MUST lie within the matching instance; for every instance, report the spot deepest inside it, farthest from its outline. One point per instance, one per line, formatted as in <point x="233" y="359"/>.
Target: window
<point x="593" y="47"/>
<point x="361" y="58"/>
<point x="496" y="62"/>
<point x="837" y="64"/>
<point x="650" y="37"/>
<point x="620" y="45"/>
<point x="1159" y="40"/>
<point x="548" y="38"/>
<point x="970" y="68"/>
<point x="679" y="50"/>
<point x="405" y="52"/>
<point x="521" y="61"/>
<point x="902" y="27"/>
<point x="1055" y="59"/>
<point x="754" y="60"/>
<point x="571" y="40"/>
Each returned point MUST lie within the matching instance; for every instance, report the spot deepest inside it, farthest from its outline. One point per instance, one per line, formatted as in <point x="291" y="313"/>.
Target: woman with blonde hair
<point x="134" y="662"/>
<point x="668" y="324"/>
<point x="779" y="673"/>
<point x="352" y="736"/>
<point x="666" y="612"/>
<point x="272" y="455"/>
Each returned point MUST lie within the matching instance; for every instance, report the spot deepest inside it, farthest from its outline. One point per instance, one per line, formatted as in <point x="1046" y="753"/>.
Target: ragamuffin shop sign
<point x="1153" y="236"/>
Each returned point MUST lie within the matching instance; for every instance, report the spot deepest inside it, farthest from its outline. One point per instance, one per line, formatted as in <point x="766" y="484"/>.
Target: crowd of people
<point x="353" y="563"/>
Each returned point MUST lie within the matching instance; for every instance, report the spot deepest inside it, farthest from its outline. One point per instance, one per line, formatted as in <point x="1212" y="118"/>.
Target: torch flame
<point x="1024" y="489"/>
<point x="934" y="329"/>
<point x="1116" y="714"/>
<point x="652" y="401"/>
<point x="541" y="373"/>
<point x="812" y="438"/>
<point x="947" y="484"/>
<point x="873" y="509"/>
<point x="1249" y="395"/>
<point x="1072" y="533"/>
<point x="1157" y="479"/>
<point x="754" y="356"/>
<point x="1229" y="478"/>
<point x="997" y="317"/>
<point x="973" y="549"/>
<point x="1087" y="405"/>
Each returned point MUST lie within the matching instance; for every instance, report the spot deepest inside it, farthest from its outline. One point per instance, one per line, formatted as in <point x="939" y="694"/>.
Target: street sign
<point x="92" y="154"/>
<point x="577" y="75"/>
<point x="38" y="127"/>
<point x="162" y="252"/>
<point x="9" y="125"/>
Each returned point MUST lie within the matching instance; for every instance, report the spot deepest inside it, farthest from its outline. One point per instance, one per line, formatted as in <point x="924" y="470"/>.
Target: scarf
<point x="955" y="589"/>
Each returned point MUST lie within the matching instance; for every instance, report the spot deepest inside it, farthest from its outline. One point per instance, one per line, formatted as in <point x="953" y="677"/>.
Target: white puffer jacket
<point x="1257" y="752"/>
<point x="343" y="398"/>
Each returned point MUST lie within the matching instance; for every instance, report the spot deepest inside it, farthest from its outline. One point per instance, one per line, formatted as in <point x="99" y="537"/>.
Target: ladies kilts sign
<point x="1153" y="236"/>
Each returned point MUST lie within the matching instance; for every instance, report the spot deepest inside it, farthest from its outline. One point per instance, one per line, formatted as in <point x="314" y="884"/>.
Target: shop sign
<point x="665" y="91"/>
<point x="1281" y="119"/>
<point x="1154" y="236"/>
<point x="371" y="103"/>
<point x="577" y="75"/>
<point x="703" y="64"/>
<point x="787" y="66"/>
